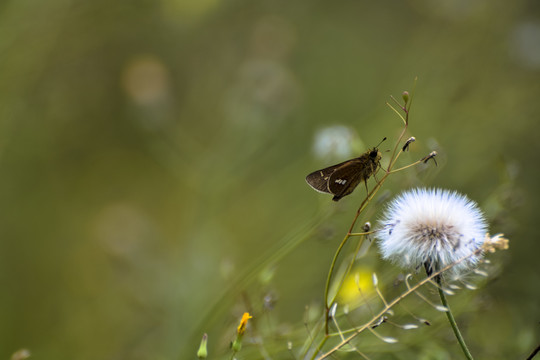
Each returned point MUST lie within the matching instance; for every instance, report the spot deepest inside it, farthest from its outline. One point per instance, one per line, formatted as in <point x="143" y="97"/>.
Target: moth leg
<point x="375" y="171"/>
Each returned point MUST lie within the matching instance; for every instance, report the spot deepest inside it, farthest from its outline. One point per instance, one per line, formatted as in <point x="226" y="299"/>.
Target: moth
<point x="341" y="179"/>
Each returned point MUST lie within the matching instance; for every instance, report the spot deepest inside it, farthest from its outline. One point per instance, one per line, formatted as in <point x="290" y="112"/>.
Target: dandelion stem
<point x="452" y="320"/>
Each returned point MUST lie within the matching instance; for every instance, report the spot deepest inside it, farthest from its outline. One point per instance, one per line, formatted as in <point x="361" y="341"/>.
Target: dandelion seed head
<point x="432" y="226"/>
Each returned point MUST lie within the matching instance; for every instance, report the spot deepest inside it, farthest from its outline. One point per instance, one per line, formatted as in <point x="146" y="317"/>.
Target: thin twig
<point x="533" y="354"/>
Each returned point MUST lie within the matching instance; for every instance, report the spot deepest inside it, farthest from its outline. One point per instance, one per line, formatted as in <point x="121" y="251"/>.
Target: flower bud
<point x="405" y="96"/>
<point x="202" y="353"/>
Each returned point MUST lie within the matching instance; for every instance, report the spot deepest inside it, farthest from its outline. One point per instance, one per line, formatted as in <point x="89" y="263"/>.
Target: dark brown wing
<point x="318" y="180"/>
<point x="346" y="178"/>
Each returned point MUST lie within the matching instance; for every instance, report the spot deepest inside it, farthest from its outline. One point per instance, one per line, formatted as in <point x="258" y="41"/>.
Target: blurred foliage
<point x="152" y="152"/>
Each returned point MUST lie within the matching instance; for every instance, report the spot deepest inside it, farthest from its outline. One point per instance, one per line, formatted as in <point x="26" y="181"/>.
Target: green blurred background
<point x="152" y="151"/>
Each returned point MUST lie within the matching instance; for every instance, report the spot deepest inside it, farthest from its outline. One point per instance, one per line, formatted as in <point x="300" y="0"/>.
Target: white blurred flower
<point x="336" y="142"/>
<point x="432" y="227"/>
<point x="525" y="44"/>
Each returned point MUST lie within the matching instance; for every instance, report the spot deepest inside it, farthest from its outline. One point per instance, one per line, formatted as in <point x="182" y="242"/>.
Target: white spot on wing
<point x="340" y="181"/>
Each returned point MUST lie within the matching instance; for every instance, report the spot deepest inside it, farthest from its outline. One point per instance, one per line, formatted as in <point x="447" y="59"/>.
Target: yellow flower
<point x="243" y="323"/>
<point x="356" y="287"/>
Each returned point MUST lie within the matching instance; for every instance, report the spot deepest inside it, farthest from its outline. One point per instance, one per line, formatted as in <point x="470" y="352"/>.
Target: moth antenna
<point x="381" y="142"/>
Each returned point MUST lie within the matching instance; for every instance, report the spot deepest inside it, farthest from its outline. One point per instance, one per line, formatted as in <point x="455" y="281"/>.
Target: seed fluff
<point x="432" y="228"/>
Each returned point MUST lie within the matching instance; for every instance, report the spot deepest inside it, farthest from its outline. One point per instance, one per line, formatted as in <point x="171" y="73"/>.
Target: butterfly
<point x="341" y="179"/>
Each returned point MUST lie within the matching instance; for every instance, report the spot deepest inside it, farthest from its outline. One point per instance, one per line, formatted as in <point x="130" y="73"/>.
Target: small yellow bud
<point x="243" y="323"/>
<point x="236" y="345"/>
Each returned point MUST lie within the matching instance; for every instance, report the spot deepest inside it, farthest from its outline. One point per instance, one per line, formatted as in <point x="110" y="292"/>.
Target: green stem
<point x="452" y="321"/>
<point x="327" y="303"/>
<point x="319" y="348"/>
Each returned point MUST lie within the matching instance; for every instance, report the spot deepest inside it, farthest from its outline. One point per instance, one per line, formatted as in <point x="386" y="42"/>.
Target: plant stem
<point x="319" y="347"/>
<point x="452" y="320"/>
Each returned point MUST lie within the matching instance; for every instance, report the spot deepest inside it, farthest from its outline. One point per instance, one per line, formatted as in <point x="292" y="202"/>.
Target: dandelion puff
<point x="432" y="228"/>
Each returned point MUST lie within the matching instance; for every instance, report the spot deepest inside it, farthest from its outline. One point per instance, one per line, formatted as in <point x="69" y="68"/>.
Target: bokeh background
<point x="153" y="153"/>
